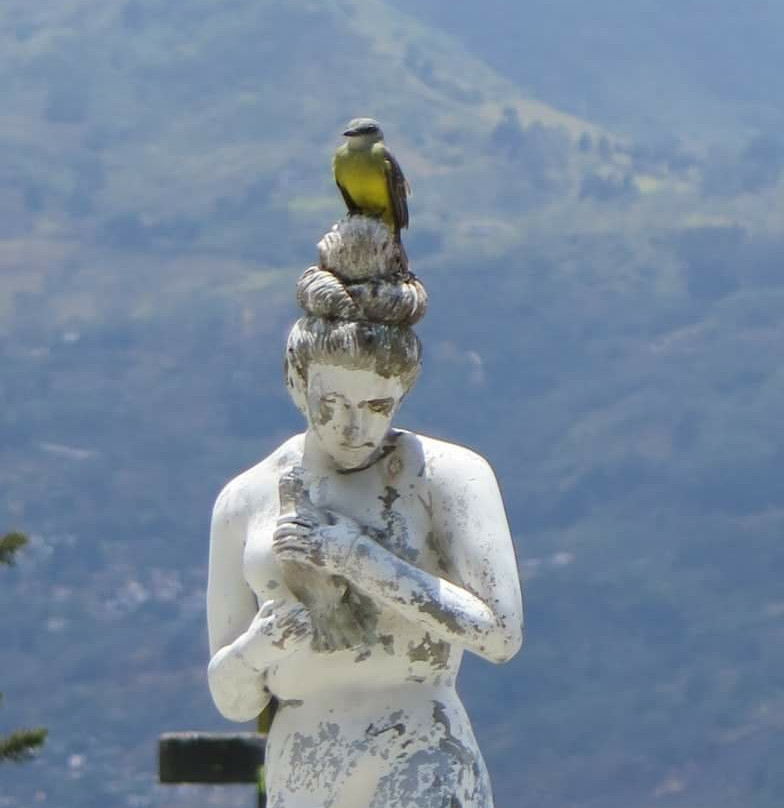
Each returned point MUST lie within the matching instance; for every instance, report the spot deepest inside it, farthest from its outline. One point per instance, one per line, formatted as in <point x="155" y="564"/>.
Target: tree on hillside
<point x="21" y="744"/>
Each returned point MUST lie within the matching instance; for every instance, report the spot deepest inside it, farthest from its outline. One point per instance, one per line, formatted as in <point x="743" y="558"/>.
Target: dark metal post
<point x="211" y="757"/>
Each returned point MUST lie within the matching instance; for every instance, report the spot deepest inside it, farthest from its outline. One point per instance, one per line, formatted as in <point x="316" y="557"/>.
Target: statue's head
<point x="348" y="379"/>
<point x="354" y="356"/>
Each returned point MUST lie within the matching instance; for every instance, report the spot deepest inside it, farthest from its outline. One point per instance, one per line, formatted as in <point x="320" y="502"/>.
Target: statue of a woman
<point x="351" y="568"/>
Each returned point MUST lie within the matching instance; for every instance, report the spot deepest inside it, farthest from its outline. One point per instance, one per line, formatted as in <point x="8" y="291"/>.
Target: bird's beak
<point x="350" y="133"/>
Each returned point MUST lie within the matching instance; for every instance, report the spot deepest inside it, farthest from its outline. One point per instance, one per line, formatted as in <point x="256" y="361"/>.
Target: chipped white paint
<point x="349" y="570"/>
<point x="359" y="248"/>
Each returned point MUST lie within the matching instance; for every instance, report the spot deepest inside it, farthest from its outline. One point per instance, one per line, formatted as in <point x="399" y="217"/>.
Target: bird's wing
<point x="398" y="188"/>
<point x="350" y="204"/>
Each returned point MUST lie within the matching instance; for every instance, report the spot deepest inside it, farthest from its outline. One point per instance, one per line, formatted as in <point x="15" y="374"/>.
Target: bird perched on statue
<point x="370" y="178"/>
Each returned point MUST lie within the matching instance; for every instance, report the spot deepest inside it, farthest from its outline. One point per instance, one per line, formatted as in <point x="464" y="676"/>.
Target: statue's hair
<point x="360" y="303"/>
<point x="389" y="350"/>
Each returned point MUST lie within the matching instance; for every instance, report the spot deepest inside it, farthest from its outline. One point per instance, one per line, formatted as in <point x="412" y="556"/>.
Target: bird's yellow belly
<point x="366" y="184"/>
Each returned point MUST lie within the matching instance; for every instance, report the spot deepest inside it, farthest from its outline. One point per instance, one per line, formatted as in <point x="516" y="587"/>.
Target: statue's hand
<point x="285" y="623"/>
<point x="321" y="544"/>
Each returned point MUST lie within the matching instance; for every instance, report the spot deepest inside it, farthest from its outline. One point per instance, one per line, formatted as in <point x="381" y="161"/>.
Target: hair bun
<point x="360" y="277"/>
<point x="359" y="248"/>
<point x="400" y="300"/>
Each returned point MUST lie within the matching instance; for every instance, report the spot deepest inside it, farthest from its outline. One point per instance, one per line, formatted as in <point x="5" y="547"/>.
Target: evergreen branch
<point x="22" y="744"/>
<point x="9" y="544"/>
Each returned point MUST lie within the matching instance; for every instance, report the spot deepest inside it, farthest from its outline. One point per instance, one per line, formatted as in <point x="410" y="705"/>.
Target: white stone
<point x="349" y="571"/>
<point x="359" y="248"/>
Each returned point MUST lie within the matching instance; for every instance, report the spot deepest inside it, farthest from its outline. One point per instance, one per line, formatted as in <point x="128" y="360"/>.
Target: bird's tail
<point x="402" y="252"/>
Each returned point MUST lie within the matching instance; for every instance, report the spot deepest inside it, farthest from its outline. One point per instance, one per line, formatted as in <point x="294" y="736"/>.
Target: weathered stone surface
<point x="349" y="571"/>
<point x="358" y="248"/>
<point x="396" y="300"/>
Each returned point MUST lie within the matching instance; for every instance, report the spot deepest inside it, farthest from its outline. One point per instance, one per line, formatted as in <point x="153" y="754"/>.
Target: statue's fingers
<point x="302" y="520"/>
<point x="292" y="550"/>
<point x="289" y="530"/>
<point x="297" y="620"/>
<point x="285" y="551"/>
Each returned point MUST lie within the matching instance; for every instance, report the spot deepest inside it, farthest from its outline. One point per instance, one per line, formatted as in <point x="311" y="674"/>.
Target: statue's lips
<point x="367" y="445"/>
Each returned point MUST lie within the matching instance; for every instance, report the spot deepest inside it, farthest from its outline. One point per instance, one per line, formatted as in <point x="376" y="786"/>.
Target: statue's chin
<point x="349" y="459"/>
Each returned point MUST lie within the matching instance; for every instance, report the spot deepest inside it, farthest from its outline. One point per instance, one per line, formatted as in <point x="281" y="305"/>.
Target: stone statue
<point x="351" y="568"/>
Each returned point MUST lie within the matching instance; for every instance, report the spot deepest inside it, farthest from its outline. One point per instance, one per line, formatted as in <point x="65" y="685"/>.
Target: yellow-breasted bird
<point x="370" y="178"/>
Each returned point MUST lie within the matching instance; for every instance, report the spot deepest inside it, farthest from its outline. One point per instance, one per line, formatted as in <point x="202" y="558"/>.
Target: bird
<point x="370" y="178"/>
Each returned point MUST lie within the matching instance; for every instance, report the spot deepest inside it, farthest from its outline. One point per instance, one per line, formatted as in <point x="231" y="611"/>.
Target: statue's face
<point x="350" y="411"/>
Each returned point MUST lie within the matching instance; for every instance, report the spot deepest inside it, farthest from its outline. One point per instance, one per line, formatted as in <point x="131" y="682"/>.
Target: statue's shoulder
<point x="257" y="487"/>
<point x="446" y="461"/>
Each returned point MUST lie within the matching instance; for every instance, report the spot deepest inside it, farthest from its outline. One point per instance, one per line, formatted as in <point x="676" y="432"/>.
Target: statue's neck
<point x="316" y="460"/>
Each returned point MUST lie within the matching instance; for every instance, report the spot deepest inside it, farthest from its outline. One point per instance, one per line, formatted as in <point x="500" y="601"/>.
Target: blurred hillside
<point x="605" y="327"/>
<point x="652" y="68"/>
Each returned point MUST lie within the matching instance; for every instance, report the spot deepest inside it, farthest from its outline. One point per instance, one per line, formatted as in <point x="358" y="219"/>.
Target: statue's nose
<point x="351" y="430"/>
<point x="350" y="424"/>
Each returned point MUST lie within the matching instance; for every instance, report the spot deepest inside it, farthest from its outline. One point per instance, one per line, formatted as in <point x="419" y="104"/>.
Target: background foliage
<point x="21" y="744"/>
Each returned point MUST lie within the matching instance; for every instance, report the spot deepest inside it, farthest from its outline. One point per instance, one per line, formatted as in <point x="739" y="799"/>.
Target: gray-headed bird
<point x="370" y="178"/>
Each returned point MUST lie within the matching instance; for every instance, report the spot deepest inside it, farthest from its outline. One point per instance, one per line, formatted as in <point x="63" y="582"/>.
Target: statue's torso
<point x="391" y="498"/>
<point x="379" y="725"/>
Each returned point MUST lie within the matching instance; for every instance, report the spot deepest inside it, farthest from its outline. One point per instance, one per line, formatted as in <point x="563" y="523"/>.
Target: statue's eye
<point x="381" y="406"/>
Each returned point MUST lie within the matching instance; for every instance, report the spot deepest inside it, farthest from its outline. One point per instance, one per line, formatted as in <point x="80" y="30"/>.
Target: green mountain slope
<point x="653" y="68"/>
<point x="208" y="131"/>
<point x="175" y="117"/>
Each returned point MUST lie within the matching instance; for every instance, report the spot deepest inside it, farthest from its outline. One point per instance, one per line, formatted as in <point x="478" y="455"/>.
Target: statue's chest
<point x="396" y="510"/>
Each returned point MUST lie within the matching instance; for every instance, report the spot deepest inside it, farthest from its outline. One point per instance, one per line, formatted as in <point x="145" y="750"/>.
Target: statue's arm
<point x="244" y="640"/>
<point x="480" y="606"/>
<point x="448" y="610"/>
<point x="473" y="536"/>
